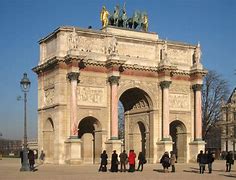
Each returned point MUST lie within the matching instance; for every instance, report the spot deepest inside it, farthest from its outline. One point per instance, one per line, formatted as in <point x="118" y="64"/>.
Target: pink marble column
<point x="197" y="112"/>
<point x="114" y="106"/>
<point x="73" y="77"/>
<point x="165" y="109"/>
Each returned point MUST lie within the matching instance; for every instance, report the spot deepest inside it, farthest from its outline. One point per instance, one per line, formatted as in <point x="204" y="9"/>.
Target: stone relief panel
<point x="137" y="50"/>
<point x="150" y="85"/>
<point x="180" y="56"/>
<point x="179" y="88"/>
<point x="179" y="102"/>
<point x="50" y="48"/>
<point x="92" y="81"/>
<point x="49" y="91"/>
<point x="91" y="96"/>
<point x="179" y="97"/>
<point x="49" y="96"/>
<point x="83" y="43"/>
<point x="140" y="105"/>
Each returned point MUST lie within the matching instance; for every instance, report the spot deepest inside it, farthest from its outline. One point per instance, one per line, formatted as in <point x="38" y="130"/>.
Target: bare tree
<point x="215" y="90"/>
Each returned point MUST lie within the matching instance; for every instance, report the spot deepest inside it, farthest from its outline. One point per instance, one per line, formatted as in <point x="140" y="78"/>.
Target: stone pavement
<point x="9" y="169"/>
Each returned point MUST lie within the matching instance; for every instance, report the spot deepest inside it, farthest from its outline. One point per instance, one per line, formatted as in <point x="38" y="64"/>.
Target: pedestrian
<point x="21" y="156"/>
<point x="131" y="159"/>
<point x="42" y="157"/>
<point x="142" y="160"/>
<point x="229" y="161"/>
<point x="210" y="160"/>
<point x="114" y="162"/>
<point x="103" y="165"/>
<point x="165" y="161"/>
<point x="31" y="159"/>
<point x="123" y="161"/>
<point x="172" y="161"/>
<point x="202" y="160"/>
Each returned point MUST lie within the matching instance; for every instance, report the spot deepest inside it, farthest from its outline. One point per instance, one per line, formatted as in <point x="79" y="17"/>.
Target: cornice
<point x="50" y="63"/>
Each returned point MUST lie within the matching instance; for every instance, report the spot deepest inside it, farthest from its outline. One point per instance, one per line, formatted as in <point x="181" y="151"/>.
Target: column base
<point x="73" y="151"/>
<point x="194" y="148"/>
<point x="163" y="146"/>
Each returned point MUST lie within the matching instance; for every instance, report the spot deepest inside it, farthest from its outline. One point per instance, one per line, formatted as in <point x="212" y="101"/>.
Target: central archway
<point x="137" y="106"/>
<point x="89" y="131"/>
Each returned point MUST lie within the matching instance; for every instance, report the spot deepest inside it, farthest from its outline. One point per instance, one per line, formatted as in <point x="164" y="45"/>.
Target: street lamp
<point x="25" y="85"/>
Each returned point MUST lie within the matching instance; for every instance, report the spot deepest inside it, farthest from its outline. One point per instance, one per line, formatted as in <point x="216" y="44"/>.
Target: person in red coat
<point x="131" y="159"/>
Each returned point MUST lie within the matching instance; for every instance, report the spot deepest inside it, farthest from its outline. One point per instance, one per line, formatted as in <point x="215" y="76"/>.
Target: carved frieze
<point x="49" y="96"/>
<point x="92" y="81"/>
<point x="179" y="88"/>
<point x="180" y="56"/>
<point x="91" y="96"/>
<point x="141" y="105"/>
<point x="179" y="102"/>
<point x="150" y="85"/>
<point x="49" y="82"/>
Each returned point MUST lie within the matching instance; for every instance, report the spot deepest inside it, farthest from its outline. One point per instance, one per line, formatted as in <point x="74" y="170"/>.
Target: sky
<point x="24" y="22"/>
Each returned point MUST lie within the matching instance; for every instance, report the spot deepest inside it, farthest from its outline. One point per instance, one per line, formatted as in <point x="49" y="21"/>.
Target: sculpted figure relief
<point x="73" y="40"/>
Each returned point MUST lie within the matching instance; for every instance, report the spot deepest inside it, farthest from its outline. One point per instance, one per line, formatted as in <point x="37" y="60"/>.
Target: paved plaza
<point x="9" y="169"/>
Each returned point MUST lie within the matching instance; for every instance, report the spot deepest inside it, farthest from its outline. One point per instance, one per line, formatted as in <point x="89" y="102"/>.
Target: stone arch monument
<point x="84" y="73"/>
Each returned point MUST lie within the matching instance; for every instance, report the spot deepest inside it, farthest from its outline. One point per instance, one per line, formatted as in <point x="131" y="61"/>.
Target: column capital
<point x="114" y="79"/>
<point x="197" y="87"/>
<point x="73" y="76"/>
<point x="165" y="84"/>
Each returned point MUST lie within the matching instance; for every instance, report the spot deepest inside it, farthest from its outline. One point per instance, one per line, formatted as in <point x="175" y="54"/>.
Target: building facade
<point x="84" y="73"/>
<point x="228" y="124"/>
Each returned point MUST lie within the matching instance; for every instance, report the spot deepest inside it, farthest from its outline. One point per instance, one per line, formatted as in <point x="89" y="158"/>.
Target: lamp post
<point x="25" y="85"/>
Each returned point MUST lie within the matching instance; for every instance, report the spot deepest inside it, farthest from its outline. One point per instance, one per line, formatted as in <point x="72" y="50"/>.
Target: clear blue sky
<point x="24" y="22"/>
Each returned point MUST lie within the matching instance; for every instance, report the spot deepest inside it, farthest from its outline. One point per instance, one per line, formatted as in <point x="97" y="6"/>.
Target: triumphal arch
<point x="84" y="73"/>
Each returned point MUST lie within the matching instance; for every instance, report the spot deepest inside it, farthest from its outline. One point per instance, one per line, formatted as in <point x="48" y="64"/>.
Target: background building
<point x="228" y="124"/>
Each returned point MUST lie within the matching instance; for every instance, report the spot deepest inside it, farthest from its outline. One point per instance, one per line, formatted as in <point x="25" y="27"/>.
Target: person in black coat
<point x="210" y="160"/>
<point x="165" y="161"/>
<point x="229" y="161"/>
<point x="141" y="161"/>
<point x="31" y="159"/>
<point x="103" y="165"/>
<point x="202" y="160"/>
<point x="114" y="162"/>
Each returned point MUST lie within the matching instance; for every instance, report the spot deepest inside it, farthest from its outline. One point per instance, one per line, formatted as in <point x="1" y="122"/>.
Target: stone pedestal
<point x="73" y="151"/>
<point x="194" y="149"/>
<point x="163" y="146"/>
<point x="113" y="144"/>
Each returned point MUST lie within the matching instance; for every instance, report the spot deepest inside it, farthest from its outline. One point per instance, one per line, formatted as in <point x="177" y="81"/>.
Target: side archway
<point x="178" y="132"/>
<point x="48" y="140"/>
<point x="90" y="132"/>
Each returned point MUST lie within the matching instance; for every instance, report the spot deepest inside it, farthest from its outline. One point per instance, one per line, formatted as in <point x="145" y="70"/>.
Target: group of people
<point x="207" y="158"/>
<point x="124" y="160"/>
<point x="168" y="161"/>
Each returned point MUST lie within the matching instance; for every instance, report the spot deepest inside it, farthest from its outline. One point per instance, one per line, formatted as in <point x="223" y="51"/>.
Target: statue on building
<point x="123" y="18"/>
<point x="144" y="21"/>
<point x="164" y="51"/>
<point x="114" y="18"/>
<point x="197" y="54"/>
<point x="104" y="16"/>
<point x="73" y="40"/>
<point x="112" y="46"/>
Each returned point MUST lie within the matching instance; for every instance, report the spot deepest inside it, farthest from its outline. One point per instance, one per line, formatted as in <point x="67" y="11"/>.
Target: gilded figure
<point x="104" y="16"/>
